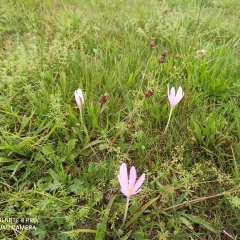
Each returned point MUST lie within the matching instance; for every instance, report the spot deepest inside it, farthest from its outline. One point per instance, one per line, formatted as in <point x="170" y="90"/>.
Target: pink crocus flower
<point x="79" y="98"/>
<point x="129" y="186"/>
<point x="175" y="99"/>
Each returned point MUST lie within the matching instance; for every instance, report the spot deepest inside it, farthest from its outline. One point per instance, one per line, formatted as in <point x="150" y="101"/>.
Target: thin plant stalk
<point x="126" y="210"/>
<point x="84" y="126"/>
<point x="80" y="113"/>
<point x="169" y="118"/>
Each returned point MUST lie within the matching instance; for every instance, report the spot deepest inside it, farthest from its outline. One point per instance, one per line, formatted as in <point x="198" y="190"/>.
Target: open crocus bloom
<point x="79" y="98"/>
<point x="175" y="99"/>
<point x="129" y="186"/>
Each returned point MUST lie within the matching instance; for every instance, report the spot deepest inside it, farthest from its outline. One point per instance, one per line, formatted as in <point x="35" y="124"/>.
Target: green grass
<point x="63" y="171"/>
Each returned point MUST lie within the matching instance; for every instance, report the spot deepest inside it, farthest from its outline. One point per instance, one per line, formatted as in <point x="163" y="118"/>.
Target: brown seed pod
<point x="153" y="42"/>
<point x="224" y="143"/>
<point x="46" y="131"/>
<point x="103" y="98"/>
<point x="149" y="92"/>
<point x="72" y="170"/>
<point x="162" y="57"/>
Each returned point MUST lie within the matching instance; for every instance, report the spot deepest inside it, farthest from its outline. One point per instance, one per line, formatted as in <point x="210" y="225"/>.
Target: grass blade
<point x="200" y="221"/>
<point x="101" y="227"/>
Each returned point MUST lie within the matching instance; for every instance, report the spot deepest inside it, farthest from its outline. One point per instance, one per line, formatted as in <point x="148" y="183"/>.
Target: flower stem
<point x="84" y="126"/>
<point x="169" y="118"/>
<point x="80" y="113"/>
<point x="126" y="209"/>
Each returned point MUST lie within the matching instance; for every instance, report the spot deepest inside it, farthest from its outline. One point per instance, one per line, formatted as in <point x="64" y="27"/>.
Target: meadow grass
<point x="63" y="170"/>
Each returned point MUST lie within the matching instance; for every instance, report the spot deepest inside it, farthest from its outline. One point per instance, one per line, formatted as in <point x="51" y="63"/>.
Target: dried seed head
<point x="8" y="44"/>
<point x="224" y="143"/>
<point x="46" y="131"/>
<point x="177" y="55"/>
<point x="72" y="170"/>
<point x="149" y="92"/>
<point x="201" y="52"/>
<point x="153" y="42"/>
<point x="103" y="98"/>
<point x="162" y="57"/>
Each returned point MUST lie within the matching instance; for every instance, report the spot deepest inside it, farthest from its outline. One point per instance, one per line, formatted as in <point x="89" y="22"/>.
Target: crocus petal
<point x="132" y="176"/>
<point x="122" y="182"/>
<point x="79" y="97"/>
<point x="180" y="94"/>
<point x="80" y="94"/>
<point x="173" y="102"/>
<point x="138" y="191"/>
<point x="171" y="97"/>
<point x="123" y="176"/>
<point x="139" y="182"/>
<point x="125" y="192"/>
